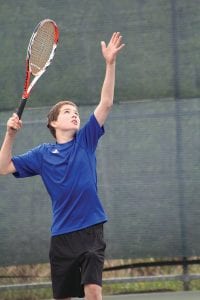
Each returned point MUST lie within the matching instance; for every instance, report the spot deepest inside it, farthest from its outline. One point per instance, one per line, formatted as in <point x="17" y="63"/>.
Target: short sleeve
<point x="29" y="163"/>
<point x="90" y="133"/>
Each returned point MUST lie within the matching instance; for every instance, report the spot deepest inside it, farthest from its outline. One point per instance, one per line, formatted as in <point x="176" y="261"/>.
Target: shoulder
<point x="41" y="149"/>
<point x="90" y="133"/>
<point x="93" y="123"/>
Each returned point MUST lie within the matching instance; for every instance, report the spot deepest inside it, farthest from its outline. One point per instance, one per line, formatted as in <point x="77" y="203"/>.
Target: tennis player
<point x="68" y="170"/>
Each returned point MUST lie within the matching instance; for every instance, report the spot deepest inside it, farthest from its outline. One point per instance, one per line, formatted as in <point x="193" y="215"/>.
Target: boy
<point x="68" y="170"/>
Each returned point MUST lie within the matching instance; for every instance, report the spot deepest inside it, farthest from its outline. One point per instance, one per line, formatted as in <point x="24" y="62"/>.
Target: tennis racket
<point x="40" y="52"/>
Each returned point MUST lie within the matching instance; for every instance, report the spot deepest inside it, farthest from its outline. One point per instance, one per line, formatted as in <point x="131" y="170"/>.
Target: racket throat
<point x="33" y="82"/>
<point x="25" y="94"/>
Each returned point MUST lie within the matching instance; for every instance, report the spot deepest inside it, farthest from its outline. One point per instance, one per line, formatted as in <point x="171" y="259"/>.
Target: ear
<point x="53" y="124"/>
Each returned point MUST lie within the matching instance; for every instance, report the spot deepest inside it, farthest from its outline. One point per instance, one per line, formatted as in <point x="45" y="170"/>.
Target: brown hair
<point x="54" y="112"/>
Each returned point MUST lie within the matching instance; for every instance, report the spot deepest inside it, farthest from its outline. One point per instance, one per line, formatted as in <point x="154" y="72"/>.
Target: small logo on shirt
<point x="55" y="151"/>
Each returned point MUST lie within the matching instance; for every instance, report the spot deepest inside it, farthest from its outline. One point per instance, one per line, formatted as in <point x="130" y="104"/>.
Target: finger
<point x="12" y="126"/>
<point x="15" y="117"/>
<point x="103" y="47"/>
<point x="14" y="123"/>
<point x="120" y="47"/>
<point x="118" y="41"/>
<point x="16" y="126"/>
<point x="116" y="37"/>
<point x="113" y="37"/>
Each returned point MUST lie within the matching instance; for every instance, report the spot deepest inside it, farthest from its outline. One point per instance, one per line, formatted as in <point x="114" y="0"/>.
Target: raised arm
<point x="6" y="165"/>
<point x="110" y="53"/>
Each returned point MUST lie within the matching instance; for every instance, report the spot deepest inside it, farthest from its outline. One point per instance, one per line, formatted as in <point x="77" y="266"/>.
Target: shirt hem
<point x="78" y="228"/>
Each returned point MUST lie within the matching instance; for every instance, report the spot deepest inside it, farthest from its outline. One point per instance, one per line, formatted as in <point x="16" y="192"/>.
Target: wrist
<point x="11" y="133"/>
<point x="111" y="63"/>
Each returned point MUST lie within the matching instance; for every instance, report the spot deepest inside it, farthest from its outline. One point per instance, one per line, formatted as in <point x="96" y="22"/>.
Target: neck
<point x="64" y="137"/>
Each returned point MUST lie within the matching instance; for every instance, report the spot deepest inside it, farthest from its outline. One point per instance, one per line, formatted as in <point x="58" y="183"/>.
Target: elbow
<point x="108" y="106"/>
<point x="3" y="171"/>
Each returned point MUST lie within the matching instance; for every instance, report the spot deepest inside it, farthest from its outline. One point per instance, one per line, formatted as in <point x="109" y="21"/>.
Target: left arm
<point x="107" y="93"/>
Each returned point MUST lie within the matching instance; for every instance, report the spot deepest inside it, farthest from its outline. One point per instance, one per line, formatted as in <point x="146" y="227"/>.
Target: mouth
<point x="75" y="122"/>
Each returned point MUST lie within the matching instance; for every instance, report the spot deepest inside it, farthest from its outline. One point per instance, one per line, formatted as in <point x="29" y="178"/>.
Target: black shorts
<point x="76" y="259"/>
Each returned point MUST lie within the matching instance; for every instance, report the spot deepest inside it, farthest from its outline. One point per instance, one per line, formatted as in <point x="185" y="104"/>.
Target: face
<point x="68" y="119"/>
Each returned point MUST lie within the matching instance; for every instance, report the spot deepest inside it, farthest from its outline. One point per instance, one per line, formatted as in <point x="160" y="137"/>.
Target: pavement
<point x="155" y="296"/>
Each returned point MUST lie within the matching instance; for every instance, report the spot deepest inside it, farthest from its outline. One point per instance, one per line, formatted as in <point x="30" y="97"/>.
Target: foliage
<point x="42" y="272"/>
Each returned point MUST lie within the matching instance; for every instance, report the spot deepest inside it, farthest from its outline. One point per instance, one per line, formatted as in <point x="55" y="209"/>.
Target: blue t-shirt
<point x="69" y="173"/>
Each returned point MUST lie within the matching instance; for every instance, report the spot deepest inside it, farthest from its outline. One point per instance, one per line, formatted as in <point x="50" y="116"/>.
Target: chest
<point x="72" y="162"/>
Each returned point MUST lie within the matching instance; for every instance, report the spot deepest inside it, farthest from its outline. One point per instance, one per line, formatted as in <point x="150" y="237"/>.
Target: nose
<point x="74" y="116"/>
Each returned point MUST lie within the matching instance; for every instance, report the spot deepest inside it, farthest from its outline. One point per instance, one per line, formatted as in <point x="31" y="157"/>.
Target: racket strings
<point x="42" y="47"/>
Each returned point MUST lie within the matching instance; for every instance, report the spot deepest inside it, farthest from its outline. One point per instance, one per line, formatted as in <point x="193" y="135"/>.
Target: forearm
<point x="6" y="154"/>
<point x="107" y="92"/>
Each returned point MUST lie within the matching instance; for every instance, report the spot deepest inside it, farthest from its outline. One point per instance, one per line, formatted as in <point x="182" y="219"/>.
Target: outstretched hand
<point x="113" y="48"/>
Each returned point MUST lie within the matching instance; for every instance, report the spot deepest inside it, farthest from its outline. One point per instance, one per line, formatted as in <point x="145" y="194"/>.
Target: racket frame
<point x="27" y="84"/>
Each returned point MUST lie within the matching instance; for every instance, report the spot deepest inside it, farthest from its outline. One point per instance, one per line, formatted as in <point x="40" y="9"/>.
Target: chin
<point x="76" y="129"/>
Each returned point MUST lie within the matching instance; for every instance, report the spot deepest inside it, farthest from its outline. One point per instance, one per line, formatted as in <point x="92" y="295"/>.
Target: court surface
<point x="156" y="296"/>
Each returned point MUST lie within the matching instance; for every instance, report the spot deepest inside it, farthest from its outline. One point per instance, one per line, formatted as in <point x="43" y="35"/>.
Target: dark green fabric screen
<point x="148" y="170"/>
<point x="148" y="161"/>
<point x="161" y="58"/>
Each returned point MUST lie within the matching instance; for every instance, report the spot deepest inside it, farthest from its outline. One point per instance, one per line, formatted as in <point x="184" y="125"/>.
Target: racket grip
<point x="21" y="107"/>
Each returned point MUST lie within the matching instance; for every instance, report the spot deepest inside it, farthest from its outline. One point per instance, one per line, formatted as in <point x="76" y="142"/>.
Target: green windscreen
<point x="160" y="60"/>
<point x="148" y="181"/>
<point x="148" y="160"/>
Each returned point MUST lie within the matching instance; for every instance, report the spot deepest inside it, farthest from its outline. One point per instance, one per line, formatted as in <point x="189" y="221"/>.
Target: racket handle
<point x="21" y="107"/>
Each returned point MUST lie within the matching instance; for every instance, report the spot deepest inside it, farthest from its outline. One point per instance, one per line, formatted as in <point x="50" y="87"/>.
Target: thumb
<point x="103" y="45"/>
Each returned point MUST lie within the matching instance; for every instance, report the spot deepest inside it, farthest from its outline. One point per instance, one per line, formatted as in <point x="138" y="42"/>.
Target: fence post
<point x="186" y="280"/>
